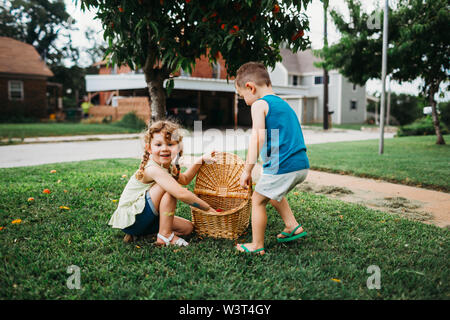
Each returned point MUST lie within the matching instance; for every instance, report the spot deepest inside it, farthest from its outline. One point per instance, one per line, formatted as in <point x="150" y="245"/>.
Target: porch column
<point x="304" y="111"/>
<point x="199" y="104"/>
<point x="316" y="103"/>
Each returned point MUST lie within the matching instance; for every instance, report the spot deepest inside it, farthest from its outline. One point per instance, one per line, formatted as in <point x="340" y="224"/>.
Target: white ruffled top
<point x="132" y="200"/>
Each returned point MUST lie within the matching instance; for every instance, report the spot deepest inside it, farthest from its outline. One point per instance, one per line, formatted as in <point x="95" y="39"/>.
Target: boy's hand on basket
<point x="245" y="180"/>
<point x="209" y="158"/>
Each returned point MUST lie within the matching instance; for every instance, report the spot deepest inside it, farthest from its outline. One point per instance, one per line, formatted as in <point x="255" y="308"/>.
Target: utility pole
<point x="383" y="75"/>
<point x="325" y="71"/>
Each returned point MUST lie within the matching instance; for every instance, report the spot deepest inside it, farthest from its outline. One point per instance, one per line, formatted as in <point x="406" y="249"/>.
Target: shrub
<point x="444" y="107"/>
<point x="421" y="127"/>
<point x="131" y="121"/>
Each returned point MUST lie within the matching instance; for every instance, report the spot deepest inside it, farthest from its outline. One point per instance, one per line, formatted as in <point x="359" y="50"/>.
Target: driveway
<point x="57" y="149"/>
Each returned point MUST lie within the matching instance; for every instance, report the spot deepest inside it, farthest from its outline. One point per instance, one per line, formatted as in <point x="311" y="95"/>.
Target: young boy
<point x="277" y="134"/>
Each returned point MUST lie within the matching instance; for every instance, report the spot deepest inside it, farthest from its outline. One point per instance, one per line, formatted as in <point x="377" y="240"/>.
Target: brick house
<point x="205" y="94"/>
<point x="23" y="81"/>
<point x="184" y="104"/>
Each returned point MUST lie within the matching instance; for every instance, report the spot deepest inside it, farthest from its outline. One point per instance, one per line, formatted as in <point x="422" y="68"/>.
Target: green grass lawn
<point x="408" y="160"/>
<point x="25" y="130"/>
<point x="343" y="241"/>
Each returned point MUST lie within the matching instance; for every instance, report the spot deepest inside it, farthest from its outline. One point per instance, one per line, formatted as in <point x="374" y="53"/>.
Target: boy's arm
<point x="259" y="109"/>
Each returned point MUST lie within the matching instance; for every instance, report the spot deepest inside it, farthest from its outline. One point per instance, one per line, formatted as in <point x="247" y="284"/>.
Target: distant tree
<point x="96" y="48"/>
<point x="422" y="48"/>
<point x="406" y="108"/>
<point x="164" y="36"/>
<point x="73" y="81"/>
<point x="41" y="23"/>
<point x="418" y="46"/>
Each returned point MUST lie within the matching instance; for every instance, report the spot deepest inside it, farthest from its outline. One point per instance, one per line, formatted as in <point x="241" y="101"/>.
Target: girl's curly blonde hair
<point x="171" y="132"/>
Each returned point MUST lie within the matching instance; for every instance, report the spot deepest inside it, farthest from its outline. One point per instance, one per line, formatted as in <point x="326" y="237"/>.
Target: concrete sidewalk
<point x="93" y="137"/>
<point x="58" y="149"/>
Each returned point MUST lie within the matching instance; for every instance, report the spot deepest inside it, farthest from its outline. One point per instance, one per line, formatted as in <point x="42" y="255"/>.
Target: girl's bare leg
<point x="166" y="204"/>
<point x="182" y="227"/>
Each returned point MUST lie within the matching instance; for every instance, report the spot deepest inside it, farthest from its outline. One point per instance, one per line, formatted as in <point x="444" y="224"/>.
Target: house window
<point x="353" y="105"/>
<point x="295" y="80"/>
<point x="318" y="80"/>
<point x="15" y="90"/>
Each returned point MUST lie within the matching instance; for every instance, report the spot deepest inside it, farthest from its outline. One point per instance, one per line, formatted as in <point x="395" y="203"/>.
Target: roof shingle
<point x="21" y="58"/>
<point x="300" y="62"/>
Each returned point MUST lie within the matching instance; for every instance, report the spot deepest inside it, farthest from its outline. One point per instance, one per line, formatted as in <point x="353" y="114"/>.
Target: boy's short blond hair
<point x="252" y="71"/>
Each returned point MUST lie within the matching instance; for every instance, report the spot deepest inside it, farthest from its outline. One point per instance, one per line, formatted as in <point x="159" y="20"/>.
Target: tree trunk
<point x="154" y="77"/>
<point x="437" y="129"/>
<point x="155" y="83"/>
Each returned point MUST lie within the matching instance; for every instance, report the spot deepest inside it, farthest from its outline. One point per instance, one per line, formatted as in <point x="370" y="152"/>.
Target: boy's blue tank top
<point x="284" y="148"/>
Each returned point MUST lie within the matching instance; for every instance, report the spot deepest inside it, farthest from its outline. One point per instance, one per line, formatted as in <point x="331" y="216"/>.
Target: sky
<point x="83" y="20"/>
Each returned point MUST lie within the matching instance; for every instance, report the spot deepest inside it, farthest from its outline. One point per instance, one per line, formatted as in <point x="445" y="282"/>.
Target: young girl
<point x="148" y="202"/>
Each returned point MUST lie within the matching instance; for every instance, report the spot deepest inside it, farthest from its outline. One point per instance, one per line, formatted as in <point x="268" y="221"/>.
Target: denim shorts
<point x="146" y="222"/>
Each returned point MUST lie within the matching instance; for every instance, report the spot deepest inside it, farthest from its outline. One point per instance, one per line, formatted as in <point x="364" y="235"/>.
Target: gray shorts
<point x="276" y="186"/>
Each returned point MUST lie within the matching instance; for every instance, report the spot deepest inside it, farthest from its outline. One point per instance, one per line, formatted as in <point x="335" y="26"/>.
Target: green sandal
<point x="291" y="236"/>
<point x="254" y="251"/>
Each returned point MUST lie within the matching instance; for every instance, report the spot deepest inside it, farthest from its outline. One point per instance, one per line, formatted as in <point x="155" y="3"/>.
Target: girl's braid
<point x="145" y="157"/>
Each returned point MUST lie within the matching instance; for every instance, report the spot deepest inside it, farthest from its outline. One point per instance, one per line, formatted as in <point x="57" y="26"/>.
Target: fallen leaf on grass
<point x="1" y="228"/>
<point x="64" y="207"/>
<point x="295" y="193"/>
<point x="17" y="221"/>
<point x="52" y="171"/>
<point x="138" y="247"/>
<point x="46" y="191"/>
<point x="65" y="191"/>
<point x="124" y="176"/>
<point x="336" y="280"/>
<point x="59" y="181"/>
<point x="341" y="216"/>
<point x="114" y="200"/>
<point x="30" y="199"/>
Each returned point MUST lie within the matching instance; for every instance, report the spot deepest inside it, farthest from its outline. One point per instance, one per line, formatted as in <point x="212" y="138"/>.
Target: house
<point x="205" y="94"/>
<point x="346" y="101"/>
<point x="23" y="81"/>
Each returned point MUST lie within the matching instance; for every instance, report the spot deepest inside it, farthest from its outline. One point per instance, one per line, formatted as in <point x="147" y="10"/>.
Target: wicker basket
<point x="218" y="185"/>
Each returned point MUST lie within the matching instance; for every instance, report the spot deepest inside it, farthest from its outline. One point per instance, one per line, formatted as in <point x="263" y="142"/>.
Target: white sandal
<point x="180" y="241"/>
